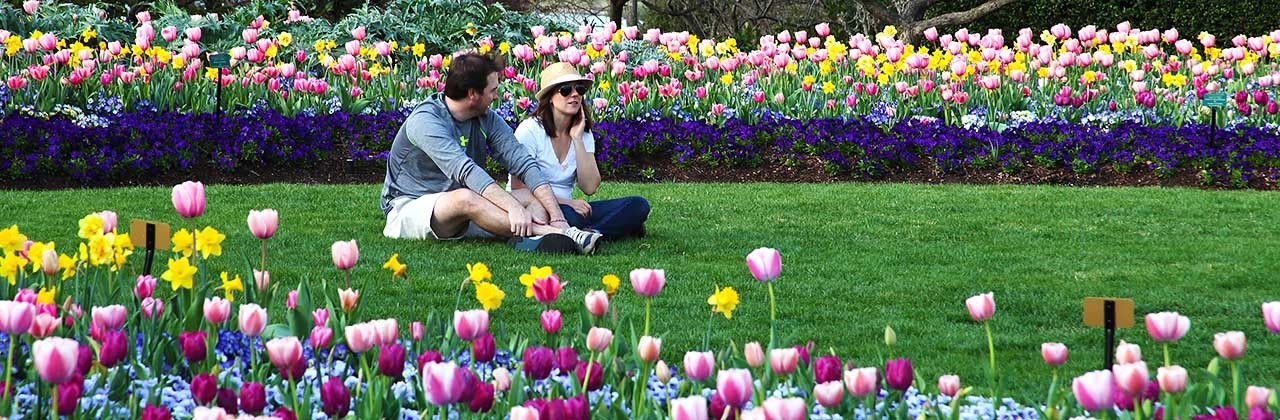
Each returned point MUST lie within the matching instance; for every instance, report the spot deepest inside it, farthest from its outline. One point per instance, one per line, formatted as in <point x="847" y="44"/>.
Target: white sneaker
<point x="586" y="240"/>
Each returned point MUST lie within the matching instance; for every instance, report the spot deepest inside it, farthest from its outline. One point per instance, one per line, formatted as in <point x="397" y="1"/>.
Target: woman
<point x="558" y="136"/>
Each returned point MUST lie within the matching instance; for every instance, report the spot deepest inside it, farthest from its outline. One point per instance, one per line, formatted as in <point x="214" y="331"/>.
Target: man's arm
<point x="435" y="138"/>
<point x="524" y="167"/>
<point x="521" y="222"/>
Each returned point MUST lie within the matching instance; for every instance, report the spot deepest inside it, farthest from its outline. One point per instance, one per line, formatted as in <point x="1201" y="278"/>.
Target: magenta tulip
<point x="689" y="408"/>
<point x="648" y="282"/>
<point x="443" y="383"/>
<point x="898" y="374"/>
<point x="335" y="396"/>
<point x="482" y="401"/>
<point x="345" y="254"/>
<point x="69" y="397"/>
<point x="551" y="321"/>
<point x="1167" y="326"/>
<point x="698" y="366"/>
<point x="567" y="359"/>
<point x="470" y="324"/>
<point x="597" y="375"/>
<point x="152" y="412"/>
<point x="483" y="348"/>
<point x="145" y="287"/>
<point x="204" y="388"/>
<point x="1230" y="345"/>
<point x="537" y="362"/>
<point x="391" y="360"/>
<point x="1271" y="316"/>
<point x="115" y="347"/>
<point x="826" y="369"/>
<point x="16" y="317"/>
<point x="981" y="307"/>
<point x="253" y="397"/>
<point x="263" y="223"/>
<point x="1094" y="390"/>
<point x="765" y="264"/>
<point x="55" y="358"/>
<point x="547" y="289"/>
<point x="193" y="345"/>
<point x="734" y="386"/>
<point x="188" y="199"/>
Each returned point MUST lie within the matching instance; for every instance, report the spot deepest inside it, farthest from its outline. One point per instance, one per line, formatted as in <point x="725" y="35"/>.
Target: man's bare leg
<point x="457" y="207"/>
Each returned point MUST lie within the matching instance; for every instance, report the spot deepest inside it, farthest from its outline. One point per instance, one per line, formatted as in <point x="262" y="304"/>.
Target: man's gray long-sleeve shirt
<point x="428" y="155"/>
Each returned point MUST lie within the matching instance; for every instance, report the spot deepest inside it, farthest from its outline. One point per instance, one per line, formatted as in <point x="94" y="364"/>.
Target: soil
<point x="809" y="170"/>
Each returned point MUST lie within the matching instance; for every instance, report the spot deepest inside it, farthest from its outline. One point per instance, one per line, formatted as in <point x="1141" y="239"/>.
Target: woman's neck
<point x="561" y="121"/>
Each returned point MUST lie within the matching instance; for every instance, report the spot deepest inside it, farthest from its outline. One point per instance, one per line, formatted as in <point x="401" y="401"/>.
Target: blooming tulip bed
<point x="82" y="106"/>
<point x="86" y="334"/>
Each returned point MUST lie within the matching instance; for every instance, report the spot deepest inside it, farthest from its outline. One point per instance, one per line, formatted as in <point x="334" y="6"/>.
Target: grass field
<point x="856" y="257"/>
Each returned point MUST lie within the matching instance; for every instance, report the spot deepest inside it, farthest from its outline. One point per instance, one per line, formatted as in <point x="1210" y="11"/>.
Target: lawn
<point x="856" y="257"/>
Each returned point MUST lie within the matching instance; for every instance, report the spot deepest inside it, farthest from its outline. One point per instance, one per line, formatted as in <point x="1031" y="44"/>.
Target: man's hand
<point x="537" y="213"/>
<point x="581" y="207"/>
<point x="521" y="222"/>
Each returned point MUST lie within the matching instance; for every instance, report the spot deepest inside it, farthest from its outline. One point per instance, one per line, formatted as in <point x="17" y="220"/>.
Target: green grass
<point x="856" y="257"/>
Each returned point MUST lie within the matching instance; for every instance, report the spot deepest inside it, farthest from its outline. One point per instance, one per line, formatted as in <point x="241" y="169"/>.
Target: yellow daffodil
<point x="319" y="46"/>
<point x="478" y="273"/>
<point x="534" y="274"/>
<point x="489" y="295"/>
<point x="419" y="49"/>
<point x="47" y="296"/>
<point x="88" y="34"/>
<point x="11" y="239"/>
<point x="472" y="29"/>
<point x="397" y="269"/>
<point x="272" y="51"/>
<point x="209" y="242"/>
<point x="101" y="250"/>
<point x="211" y="73"/>
<point x="284" y="39"/>
<point x="828" y="87"/>
<point x="610" y="282"/>
<point x="726" y="79"/>
<point x="68" y="266"/>
<point x="232" y="285"/>
<point x="36" y="254"/>
<point x="724" y="301"/>
<point x="603" y="85"/>
<point x="504" y="48"/>
<point x="10" y="266"/>
<point x="179" y="63"/>
<point x="180" y="273"/>
<point x="181" y="241"/>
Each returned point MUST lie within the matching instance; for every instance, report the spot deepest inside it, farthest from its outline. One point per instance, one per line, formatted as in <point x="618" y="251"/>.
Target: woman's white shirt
<point x="562" y="174"/>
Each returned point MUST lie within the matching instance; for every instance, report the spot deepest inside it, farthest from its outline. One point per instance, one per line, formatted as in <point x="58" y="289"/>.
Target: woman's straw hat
<point x="557" y="74"/>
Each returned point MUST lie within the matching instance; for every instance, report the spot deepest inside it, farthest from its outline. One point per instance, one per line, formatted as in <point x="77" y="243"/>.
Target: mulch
<point x="809" y="170"/>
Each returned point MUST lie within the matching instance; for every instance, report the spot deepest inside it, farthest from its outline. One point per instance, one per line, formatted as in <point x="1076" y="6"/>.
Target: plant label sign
<point x="1215" y="99"/>
<point x="153" y="235"/>
<point x="219" y="61"/>
<point x="1095" y="312"/>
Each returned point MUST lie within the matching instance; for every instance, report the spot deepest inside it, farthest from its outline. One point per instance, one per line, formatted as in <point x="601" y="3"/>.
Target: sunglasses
<point x="566" y="89"/>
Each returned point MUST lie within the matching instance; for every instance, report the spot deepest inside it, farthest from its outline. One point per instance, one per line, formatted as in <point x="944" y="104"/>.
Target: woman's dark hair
<point x="544" y="113"/>
<point x="469" y="72"/>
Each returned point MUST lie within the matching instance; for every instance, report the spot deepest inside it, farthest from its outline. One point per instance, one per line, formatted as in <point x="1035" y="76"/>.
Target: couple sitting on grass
<point x="436" y="186"/>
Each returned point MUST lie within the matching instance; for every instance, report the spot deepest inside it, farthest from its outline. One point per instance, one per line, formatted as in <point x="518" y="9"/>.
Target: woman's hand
<point x="575" y="132"/>
<point x="581" y="207"/>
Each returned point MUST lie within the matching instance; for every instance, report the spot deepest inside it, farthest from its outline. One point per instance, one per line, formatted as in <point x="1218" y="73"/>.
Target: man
<point x="435" y="189"/>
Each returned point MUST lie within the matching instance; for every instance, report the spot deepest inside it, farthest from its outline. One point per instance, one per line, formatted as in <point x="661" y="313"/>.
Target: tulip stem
<point x="53" y="412"/>
<point x="706" y="339"/>
<point x="773" y="318"/>
<point x="591" y="356"/>
<point x="991" y="352"/>
<point x="348" y="277"/>
<point x="1235" y="385"/>
<point x="1166" y="354"/>
<point x="8" y="373"/>
<point x="264" y="257"/>
<point x="648" y="305"/>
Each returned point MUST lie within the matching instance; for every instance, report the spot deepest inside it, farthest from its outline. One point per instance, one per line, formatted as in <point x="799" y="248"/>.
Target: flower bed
<point x="81" y="336"/>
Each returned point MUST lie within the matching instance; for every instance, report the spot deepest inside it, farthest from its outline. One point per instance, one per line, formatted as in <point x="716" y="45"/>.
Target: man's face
<point x="489" y="95"/>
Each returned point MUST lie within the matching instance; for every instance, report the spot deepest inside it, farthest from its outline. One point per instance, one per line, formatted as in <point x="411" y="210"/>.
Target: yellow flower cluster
<point x="488" y="294"/>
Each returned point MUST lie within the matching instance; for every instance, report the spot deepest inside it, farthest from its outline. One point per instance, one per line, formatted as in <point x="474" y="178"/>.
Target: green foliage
<point x="1252" y="17"/>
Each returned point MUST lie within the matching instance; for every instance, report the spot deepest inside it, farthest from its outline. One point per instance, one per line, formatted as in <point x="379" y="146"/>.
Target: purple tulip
<point x="295" y="371"/>
<point x="718" y="406"/>
<point x="1219" y="413"/>
<point x="826" y="369"/>
<point x="253" y="398"/>
<point x="538" y="362"/>
<point x="155" y="413"/>
<point x="597" y="375"/>
<point x="193" y="346"/>
<point x="284" y="414"/>
<point x="483" y="400"/>
<point x="483" y="348"/>
<point x="391" y="360"/>
<point x="1124" y="401"/>
<point x="428" y="356"/>
<point x="804" y="352"/>
<point x="69" y="396"/>
<point x="898" y="374"/>
<point x="227" y="400"/>
<point x="1260" y="413"/>
<point x="567" y="359"/>
<point x="204" y="388"/>
<point x="469" y="381"/>
<point x="576" y="408"/>
<point x="84" y="360"/>
<point x="115" y="347"/>
<point x="335" y="396"/>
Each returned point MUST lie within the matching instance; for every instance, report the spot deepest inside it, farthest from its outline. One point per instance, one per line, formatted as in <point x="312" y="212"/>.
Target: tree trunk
<point x="911" y="23"/>
<point x="616" y="8"/>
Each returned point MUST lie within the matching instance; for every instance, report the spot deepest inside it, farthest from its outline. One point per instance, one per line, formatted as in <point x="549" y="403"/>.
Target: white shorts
<point x="410" y="218"/>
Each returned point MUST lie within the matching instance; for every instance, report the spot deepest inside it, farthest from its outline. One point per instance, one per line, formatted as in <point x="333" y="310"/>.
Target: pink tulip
<point x="546" y="290"/>
<point x="1271" y="310"/>
<point x="1131" y="377"/>
<point x="1257" y="397"/>
<point x="648" y="282"/>
<point x="30" y="6"/>
<point x="1172" y="379"/>
<point x="321" y="337"/>
<point x="55" y="359"/>
<point x="188" y="199"/>
<point x="784" y="361"/>
<point x="981" y="307"/>
<point x="785" y="409"/>
<point x="649" y="348"/>
<point x="443" y="383"/>
<point x="949" y="385"/>
<point x="1128" y="353"/>
<point x="169" y="33"/>
<point x="345" y="254"/>
<point x="598" y="339"/>
<point x="470" y="324"/>
<point x="1167" y="326"/>
<point x="193" y="33"/>
<point x="754" y="354"/>
<point x="734" y="386"/>
<point x="829" y="394"/>
<point x="699" y="365"/>
<point x="361" y="337"/>
<point x="1230" y="345"/>
<point x="284" y="351"/>
<point x="862" y="382"/>
<point x="524" y="413"/>
<point x="765" y="264"/>
<point x="931" y="34"/>
<point x="253" y="319"/>
<point x="109" y="218"/>
<point x="43" y="325"/>
<point x="597" y="302"/>
<point x="1095" y="390"/>
<point x="263" y="223"/>
<point x="152" y="307"/>
<point x="416" y="330"/>
<point x="359" y="33"/>
<point x="109" y="318"/>
<point x="348" y="298"/>
<point x="262" y="279"/>
<point x="551" y="321"/>
<point x="16" y="317"/>
<point x="688" y="408"/>
<point x="1054" y="354"/>
<point x="216" y="310"/>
